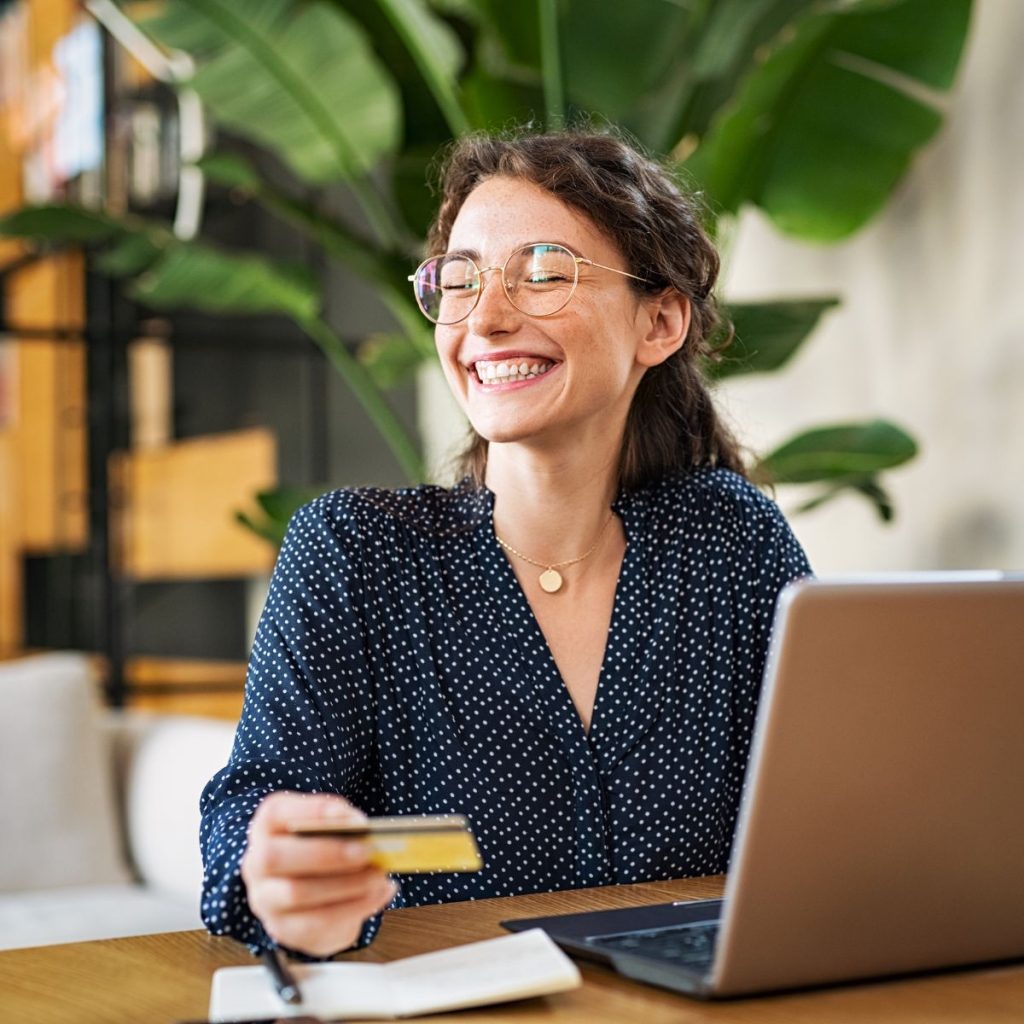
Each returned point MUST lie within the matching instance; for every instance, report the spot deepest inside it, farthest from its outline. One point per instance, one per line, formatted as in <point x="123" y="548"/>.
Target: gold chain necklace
<point x="550" y="579"/>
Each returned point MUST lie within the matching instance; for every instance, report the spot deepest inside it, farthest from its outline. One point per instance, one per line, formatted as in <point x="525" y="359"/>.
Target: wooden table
<point x="159" y="979"/>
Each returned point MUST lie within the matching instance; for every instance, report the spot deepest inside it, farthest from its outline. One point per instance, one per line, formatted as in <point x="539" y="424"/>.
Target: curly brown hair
<point x="672" y="424"/>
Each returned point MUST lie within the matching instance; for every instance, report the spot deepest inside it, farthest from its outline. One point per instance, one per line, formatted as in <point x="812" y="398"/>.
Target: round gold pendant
<point x="550" y="581"/>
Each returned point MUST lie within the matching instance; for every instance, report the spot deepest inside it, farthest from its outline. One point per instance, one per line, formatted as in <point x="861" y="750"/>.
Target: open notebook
<point x="497" y="970"/>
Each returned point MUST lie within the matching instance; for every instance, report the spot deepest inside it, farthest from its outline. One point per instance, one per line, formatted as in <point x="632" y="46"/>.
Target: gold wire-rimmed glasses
<point x="539" y="280"/>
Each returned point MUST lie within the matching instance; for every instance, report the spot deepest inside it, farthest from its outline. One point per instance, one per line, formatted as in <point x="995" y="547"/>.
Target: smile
<point x="495" y="373"/>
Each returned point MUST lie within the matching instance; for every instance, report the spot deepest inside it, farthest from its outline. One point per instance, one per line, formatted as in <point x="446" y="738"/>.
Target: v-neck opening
<point x="524" y="610"/>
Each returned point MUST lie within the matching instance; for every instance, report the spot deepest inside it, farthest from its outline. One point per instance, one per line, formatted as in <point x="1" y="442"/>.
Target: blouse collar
<point x="475" y="505"/>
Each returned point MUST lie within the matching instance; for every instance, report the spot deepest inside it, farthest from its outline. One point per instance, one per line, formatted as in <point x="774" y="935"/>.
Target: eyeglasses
<point x="539" y="280"/>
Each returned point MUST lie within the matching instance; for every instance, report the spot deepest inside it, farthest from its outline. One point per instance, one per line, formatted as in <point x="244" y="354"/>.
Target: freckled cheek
<point x="447" y="352"/>
<point x="444" y="341"/>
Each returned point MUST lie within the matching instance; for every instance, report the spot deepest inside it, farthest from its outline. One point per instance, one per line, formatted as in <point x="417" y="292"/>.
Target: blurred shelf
<point x="185" y="686"/>
<point x="178" y="504"/>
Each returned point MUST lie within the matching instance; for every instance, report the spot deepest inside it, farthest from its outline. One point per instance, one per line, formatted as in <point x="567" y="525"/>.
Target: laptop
<point x="881" y="829"/>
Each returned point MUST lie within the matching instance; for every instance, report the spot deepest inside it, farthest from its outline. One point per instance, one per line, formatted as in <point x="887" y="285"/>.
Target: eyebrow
<point x="474" y="254"/>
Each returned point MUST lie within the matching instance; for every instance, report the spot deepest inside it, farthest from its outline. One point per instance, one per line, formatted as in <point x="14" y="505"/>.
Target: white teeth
<point x="506" y="371"/>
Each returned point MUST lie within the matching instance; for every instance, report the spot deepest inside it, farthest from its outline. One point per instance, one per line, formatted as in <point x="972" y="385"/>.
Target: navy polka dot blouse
<point x="397" y="662"/>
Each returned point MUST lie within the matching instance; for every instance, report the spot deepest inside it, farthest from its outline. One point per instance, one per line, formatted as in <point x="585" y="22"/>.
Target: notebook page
<point x="510" y="967"/>
<point x="356" y="990"/>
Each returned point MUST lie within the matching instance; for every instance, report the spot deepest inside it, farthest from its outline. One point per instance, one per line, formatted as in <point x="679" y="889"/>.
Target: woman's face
<point x="589" y="347"/>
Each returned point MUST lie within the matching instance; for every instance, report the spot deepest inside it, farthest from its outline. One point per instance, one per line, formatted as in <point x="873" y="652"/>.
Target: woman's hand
<point x="311" y="894"/>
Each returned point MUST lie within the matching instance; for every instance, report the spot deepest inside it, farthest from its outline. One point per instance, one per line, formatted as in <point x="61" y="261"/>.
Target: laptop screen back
<point x="882" y="829"/>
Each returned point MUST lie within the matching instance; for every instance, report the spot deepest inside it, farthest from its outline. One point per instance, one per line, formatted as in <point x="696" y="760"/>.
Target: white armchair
<point x="99" y="810"/>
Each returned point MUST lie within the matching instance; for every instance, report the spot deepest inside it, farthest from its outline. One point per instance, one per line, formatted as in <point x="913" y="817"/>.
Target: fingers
<point x="311" y="893"/>
<point x="284" y="895"/>
<point x="273" y="850"/>
<point x="323" y="930"/>
<point x="306" y="858"/>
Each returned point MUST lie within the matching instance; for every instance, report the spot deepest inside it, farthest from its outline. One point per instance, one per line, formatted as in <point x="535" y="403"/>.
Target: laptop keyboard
<point x="689" y="944"/>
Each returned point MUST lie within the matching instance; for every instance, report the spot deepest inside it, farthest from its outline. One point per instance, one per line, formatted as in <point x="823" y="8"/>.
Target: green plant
<point x="810" y="110"/>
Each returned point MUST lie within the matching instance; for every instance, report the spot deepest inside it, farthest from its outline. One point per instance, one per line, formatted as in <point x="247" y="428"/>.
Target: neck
<point x="551" y="507"/>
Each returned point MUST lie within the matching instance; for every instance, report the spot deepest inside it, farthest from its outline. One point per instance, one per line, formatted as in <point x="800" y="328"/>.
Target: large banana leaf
<point x="175" y="274"/>
<point x="815" y="110"/>
<point x="826" y="124"/>
<point x="301" y="79"/>
<point x="131" y="243"/>
<point x="57" y="223"/>
<point x="688" y="58"/>
<point x="597" y="37"/>
<point x="436" y="52"/>
<point x="376" y="265"/>
<point x="386" y="271"/>
<point x="195" y="276"/>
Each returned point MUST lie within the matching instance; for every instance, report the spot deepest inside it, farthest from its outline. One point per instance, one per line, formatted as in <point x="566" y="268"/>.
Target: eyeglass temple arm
<point x="592" y="263"/>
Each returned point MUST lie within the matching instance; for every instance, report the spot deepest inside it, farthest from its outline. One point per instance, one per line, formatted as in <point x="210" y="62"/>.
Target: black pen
<point x="284" y="981"/>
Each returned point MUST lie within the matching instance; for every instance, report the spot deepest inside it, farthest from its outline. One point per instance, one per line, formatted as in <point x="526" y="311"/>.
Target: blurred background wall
<point x="930" y="334"/>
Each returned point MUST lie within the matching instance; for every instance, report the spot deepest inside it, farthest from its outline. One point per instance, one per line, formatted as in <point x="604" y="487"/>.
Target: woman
<point x="567" y="647"/>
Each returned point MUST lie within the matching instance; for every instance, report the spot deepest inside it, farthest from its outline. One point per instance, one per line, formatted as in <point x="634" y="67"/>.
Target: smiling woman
<point x="632" y="208"/>
<point x="566" y="647"/>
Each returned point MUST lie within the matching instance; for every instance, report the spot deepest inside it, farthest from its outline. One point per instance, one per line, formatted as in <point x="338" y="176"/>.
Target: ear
<point x="670" y="323"/>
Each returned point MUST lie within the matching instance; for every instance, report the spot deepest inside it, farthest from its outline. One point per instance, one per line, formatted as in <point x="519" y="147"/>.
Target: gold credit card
<point x="406" y="844"/>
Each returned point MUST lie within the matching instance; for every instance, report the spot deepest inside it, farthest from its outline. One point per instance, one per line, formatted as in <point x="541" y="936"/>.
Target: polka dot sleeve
<point x="295" y="733"/>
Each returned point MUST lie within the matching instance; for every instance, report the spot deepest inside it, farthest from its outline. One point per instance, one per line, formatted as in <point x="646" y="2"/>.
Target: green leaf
<point x="277" y="507"/>
<point x="230" y="170"/>
<point x="299" y="78"/>
<point x="194" y="276"/>
<point x="387" y="271"/>
<point x="60" y="224"/>
<point x="844" y="452"/>
<point x="726" y="31"/>
<point x="268" y="529"/>
<point x="879" y="497"/>
<point x="366" y="390"/>
<point x="391" y="359"/>
<point x="281" y="503"/>
<point x="515" y="38"/>
<point x="551" y="63"/>
<point x="598" y="34"/>
<point x="868" y="487"/>
<point x="767" y="335"/>
<point x="410" y="171"/>
<point x="494" y="102"/>
<point x="130" y="254"/>
<point x="436" y="51"/>
<point x="823" y="128"/>
<point x="692" y="54"/>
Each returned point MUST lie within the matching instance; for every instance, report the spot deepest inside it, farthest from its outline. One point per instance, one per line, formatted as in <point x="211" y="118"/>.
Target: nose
<point x="493" y="312"/>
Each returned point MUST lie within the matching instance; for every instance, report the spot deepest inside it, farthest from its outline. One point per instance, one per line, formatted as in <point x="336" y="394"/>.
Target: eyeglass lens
<point x="538" y="280"/>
